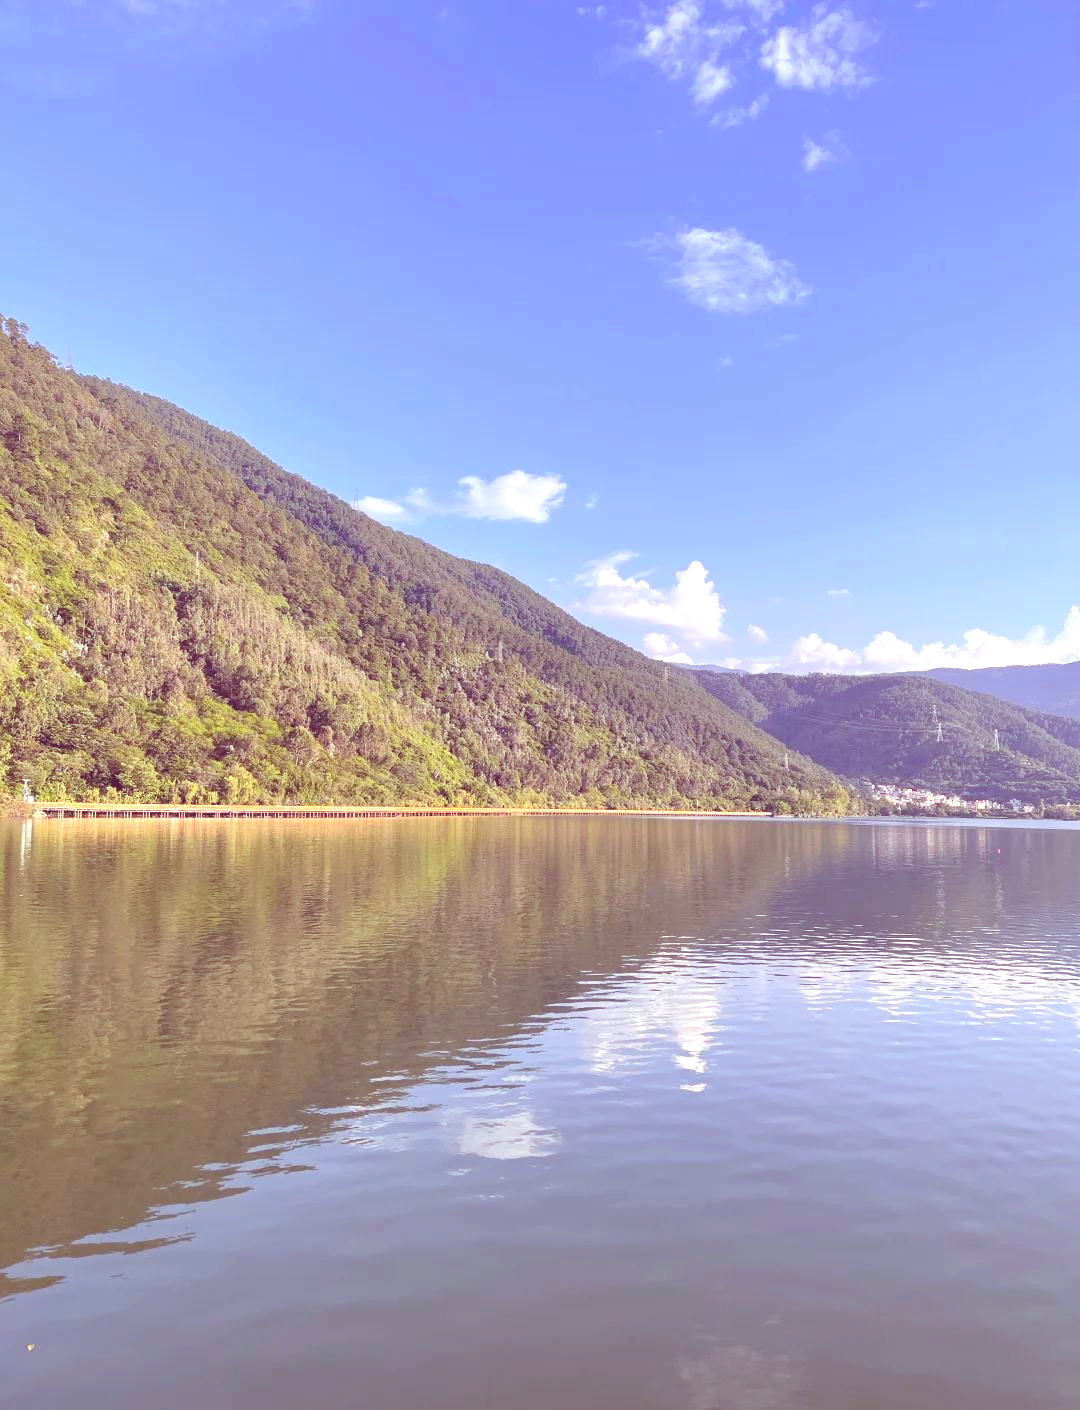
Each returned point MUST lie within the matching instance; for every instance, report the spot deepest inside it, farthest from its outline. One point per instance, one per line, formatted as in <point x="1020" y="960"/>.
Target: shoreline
<point x="343" y="812"/>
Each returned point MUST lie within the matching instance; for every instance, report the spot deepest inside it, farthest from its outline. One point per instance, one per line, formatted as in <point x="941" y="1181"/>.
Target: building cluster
<point x="924" y="800"/>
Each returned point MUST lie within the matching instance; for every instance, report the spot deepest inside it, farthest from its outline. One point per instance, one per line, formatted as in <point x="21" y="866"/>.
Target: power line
<point x="881" y="728"/>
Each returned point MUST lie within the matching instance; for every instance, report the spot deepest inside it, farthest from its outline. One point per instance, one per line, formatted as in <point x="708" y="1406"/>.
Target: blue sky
<point x="745" y="331"/>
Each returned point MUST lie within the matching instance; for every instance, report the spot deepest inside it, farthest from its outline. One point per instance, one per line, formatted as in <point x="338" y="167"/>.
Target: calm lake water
<point x="507" y="1114"/>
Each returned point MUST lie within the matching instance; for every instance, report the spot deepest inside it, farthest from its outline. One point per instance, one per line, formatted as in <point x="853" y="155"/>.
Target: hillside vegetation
<point x="180" y="619"/>
<point x="885" y="729"/>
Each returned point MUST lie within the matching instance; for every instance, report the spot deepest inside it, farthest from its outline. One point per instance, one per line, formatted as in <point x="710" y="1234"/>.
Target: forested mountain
<point x="1052" y="689"/>
<point x="885" y="729"/>
<point x="181" y="619"/>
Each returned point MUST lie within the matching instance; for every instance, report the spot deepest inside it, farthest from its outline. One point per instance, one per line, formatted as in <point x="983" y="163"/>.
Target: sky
<point x="744" y="330"/>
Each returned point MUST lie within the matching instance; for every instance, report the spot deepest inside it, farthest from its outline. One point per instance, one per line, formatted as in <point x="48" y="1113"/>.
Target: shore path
<point x="284" y="810"/>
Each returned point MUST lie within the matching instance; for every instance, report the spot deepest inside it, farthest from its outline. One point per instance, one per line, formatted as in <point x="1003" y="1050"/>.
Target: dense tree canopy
<point x="181" y="619"/>
<point x="886" y="728"/>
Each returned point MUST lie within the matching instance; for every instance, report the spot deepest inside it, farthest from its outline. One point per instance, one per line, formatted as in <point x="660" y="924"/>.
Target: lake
<point x="511" y="1114"/>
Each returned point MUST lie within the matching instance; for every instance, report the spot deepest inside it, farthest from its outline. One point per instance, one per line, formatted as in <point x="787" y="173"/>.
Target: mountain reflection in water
<point x="598" y="1112"/>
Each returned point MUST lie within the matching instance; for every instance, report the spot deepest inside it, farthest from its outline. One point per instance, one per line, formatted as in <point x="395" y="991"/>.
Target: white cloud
<point x="691" y="606"/>
<point x="725" y="360"/>
<point x="517" y="495"/>
<point x="666" y="648"/>
<point x="823" y="655"/>
<point x="702" y="44"/>
<point x="592" y="501"/>
<point x="757" y="634"/>
<point x="686" y="47"/>
<point x="724" y="272"/>
<point x="735" y="117"/>
<point x="820" y="54"/>
<point x="977" y="648"/>
<point x="387" y="511"/>
<point x="819" y="154"/>
<point x="710" y="81"/>
<point x="838" y="592"/>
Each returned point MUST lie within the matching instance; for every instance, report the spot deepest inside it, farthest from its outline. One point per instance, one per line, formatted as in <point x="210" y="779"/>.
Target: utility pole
<point x="997" y="741"/>
<point x="940" y="736"/>
<point x="786" y="765"/>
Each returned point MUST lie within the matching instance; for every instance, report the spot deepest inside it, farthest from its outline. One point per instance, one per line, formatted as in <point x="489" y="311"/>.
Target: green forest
<point x="886" y="729"/>
<point x="182" y="620"/>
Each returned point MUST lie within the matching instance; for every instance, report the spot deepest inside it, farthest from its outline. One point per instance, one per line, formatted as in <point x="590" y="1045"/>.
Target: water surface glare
<point x="602" y="1114"/>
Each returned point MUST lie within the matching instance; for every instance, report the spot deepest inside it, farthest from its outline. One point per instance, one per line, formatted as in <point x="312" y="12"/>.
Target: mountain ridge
<point x="886" y="729"/>
<point x="182" y="619"/>
<point x="1053" y="689"/>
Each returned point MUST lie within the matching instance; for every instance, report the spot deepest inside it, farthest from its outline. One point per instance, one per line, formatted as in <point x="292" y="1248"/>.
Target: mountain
<point x="885" y="729"/>
<point x="182" y="619"/>
<point x="1052" y="689"/>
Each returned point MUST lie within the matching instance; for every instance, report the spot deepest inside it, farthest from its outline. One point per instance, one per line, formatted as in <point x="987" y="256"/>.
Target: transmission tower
<point x="940" y="736"/>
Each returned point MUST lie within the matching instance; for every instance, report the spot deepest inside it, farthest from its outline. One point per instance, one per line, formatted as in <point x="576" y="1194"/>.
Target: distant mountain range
<point x="886" y="729"/>
<point x="1053" y="689"/>
<point x="181" y="619"/>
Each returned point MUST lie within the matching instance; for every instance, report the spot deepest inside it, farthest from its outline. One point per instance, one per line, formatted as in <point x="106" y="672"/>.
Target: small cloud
<point x="592" y="501"/>
<point x="710" y="81"/>
<point x="823" y="655"/>
<point x="757" y="634"/>
<point x="687" y="48"/>
<point x="838" y="592"/>
<point x="821" y="54"/>
<point x="736" y="116"/>
<point x="591" y="12"/>
<point x="664" y="648"/>
<point x="724" y="272"/>
<point x="784" y="340"/>
<point x="725" y="360"/>
<point x="517" y="495"/>
<point x="820" y="154"/>
<point x="387" y="511"/>
<point x="691" y="606"/>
